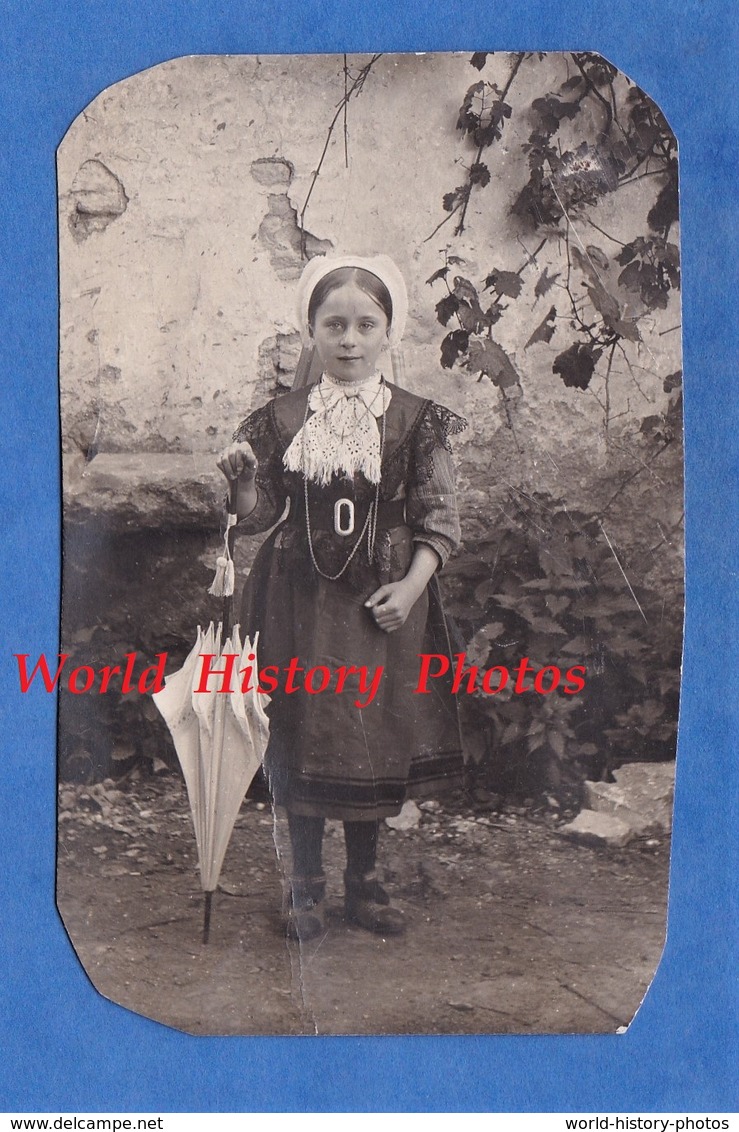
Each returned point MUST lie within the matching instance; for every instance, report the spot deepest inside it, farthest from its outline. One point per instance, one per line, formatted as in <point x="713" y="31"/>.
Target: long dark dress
<point x="326" y="756"/>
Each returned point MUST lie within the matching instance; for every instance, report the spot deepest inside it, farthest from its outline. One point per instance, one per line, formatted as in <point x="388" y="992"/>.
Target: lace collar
<point x="342" y="436"/>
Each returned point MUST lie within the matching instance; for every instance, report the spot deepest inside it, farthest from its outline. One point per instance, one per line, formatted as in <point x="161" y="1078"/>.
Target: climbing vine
<point x="549" y="579"/>
<point x="600" y="298"/>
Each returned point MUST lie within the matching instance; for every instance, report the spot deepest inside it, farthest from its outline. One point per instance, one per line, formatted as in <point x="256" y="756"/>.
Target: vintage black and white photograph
<point x="371" y="411"/>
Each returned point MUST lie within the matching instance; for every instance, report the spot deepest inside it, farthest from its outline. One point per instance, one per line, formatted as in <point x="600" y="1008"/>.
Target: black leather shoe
<point x="304" y="919"/>
<point x="367" y="904"/>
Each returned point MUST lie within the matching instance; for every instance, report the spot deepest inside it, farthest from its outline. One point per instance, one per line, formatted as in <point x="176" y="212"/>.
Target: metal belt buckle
<point x="344" y="526"/>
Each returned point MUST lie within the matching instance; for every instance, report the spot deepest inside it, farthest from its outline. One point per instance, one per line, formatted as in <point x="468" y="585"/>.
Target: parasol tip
<point x="206" y="916"/>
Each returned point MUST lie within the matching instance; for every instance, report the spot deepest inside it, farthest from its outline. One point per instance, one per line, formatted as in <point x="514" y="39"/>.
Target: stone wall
<point x="181" y="191"/>
<point x="180" y="194"/>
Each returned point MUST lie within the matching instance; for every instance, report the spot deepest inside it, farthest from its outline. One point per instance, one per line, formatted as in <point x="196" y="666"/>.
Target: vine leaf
<point x="468" y="311"/>
<point x="581" y="260"/>
<point x="505" y="283"/>
<point x="493" y="313"/>
<point x="626" y="328"/>
<point x="467" y="119"/>
<point x="607" y="304"/>
<point x="669" y="257"/>
<point x="485" y="135"/>
<point x="552" y="110"/>
<point x="487" y="357"/>
<point x="629" y="251"/>
<point x="446" y="308"/>
<point x="665" y="210"/>
<point x="479" y="174"/>
<point x="464" y="290"/>
<point x="630" y="277"/>
<point x="469" y="317"/>
<point x="604" y="302"/>
<point x="453" y="345"/>
<point x="576" y="364"/>
<point x="451" y="200"/>
<point x="440" y="274"/>
<point x="545" y="330"/>
<point x="598" y="256"/>
<point x="648" y="281"/>
<point x="598" y="70"/>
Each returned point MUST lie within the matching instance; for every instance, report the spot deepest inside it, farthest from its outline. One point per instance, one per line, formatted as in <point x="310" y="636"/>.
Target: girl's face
<point x="349" y="331"/>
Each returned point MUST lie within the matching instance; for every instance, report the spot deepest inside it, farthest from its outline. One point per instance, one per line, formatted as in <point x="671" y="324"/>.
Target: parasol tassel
<point x="223" y="582"/>
<point x="225" y="576"/>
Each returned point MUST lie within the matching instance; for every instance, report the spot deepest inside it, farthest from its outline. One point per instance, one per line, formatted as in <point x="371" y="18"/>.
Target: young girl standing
<point x="347" y="580"/>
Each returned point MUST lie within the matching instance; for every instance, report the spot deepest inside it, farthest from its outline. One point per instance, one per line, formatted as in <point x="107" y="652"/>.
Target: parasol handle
<point x="227" y="614"/>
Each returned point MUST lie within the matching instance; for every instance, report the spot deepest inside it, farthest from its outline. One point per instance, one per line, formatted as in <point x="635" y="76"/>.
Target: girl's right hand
<point x="238" y="462"/>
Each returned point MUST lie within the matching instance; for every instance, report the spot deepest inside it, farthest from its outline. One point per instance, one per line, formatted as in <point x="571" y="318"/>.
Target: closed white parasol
<point x="220" y="732"/>
<point x="220" y="737"/>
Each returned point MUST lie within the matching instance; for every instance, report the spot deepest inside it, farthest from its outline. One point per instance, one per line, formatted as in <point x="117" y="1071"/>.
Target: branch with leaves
<point x="565" y="182"/>
<point x="482" y="117"/>
<point x="548" y="578"/>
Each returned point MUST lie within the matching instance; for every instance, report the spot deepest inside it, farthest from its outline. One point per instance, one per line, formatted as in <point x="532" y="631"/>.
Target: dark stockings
<point x="306" y="838"/>
<point x="361" y="846"/>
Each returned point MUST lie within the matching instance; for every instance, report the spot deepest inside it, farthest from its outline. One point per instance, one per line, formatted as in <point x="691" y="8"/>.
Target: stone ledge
<point x="144" y="490"/>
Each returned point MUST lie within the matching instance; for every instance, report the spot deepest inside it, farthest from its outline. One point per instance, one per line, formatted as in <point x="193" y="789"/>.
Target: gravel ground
<point x="512" y="928"/>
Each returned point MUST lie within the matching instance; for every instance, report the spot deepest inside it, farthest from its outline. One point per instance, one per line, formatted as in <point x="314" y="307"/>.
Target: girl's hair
<point x="366" y="281"/>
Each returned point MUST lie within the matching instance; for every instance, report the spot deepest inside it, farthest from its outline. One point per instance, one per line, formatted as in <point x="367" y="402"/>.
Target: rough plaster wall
<point x="179" y="193"/>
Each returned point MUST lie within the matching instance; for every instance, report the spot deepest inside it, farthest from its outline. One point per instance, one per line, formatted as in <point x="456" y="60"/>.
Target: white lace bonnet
<point x="380" y="265"/>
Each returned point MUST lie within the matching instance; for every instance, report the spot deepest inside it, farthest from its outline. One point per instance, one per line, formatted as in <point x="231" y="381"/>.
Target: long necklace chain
<point x="369" y="527"/>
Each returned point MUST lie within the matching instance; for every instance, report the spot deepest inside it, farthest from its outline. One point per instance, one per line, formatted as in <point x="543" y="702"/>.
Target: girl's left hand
<point x="391" y="604"/>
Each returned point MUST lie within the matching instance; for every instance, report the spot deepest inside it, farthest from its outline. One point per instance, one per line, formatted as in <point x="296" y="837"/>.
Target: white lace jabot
<point x="342" y="436"/>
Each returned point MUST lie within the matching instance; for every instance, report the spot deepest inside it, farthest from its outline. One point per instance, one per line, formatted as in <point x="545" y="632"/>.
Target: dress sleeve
<point x="431" y="506"/>
<point x="260" y="430"/>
